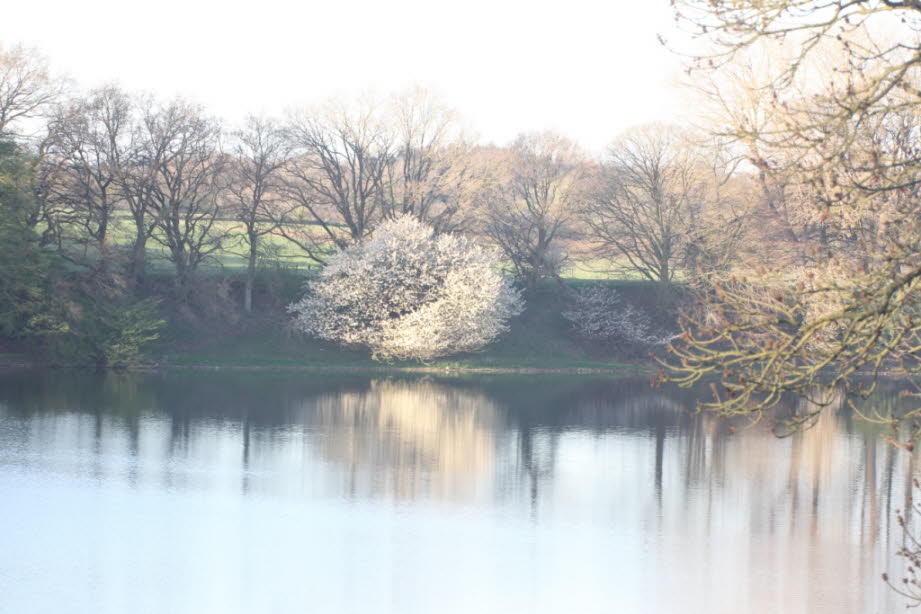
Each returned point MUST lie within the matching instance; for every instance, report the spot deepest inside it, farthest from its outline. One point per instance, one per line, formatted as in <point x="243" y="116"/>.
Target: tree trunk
<point x="102" y="266"/>
<point x="104" y="251"/>
<point x="139" y="255"/>
<point x="183" y="274"/>
<point x="139" y="259"/>
<point x="250" y="278"/>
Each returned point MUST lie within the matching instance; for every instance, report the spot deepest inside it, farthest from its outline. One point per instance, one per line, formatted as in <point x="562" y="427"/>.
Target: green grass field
<point x="231" y="258"/>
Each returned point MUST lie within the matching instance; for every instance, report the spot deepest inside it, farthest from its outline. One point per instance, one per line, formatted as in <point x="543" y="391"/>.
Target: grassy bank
<point x="540" y="340"/>
<point x="211" y="331"/>
<point x="259" y="350"/>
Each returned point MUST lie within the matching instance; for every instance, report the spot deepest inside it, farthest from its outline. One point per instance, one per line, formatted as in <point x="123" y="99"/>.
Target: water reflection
<point x="408" y="439"/>
<point x="404" y="494"/>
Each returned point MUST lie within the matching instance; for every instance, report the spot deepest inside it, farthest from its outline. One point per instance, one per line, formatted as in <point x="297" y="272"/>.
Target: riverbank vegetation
<point x="779" y="236"/>
<point x="146" y="228"/>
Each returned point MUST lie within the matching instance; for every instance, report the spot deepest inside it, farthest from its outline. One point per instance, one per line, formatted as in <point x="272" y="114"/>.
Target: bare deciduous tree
<point x="661" y="205"/>
<point x="260" y="153"/>
<point x="429" y="175"/>
<point x="26" y="87"/>
<point x="48" y="214"/>
<point x="91" y="140"/>
<point x="530" y="212"/>
<point x="182" y="175"/>
<point x="723" y="225"/>
<point x="643" y="211"/>
<point x="138" y="183"/>
<point x="340" y="156"/>
<point x="841" y="131"/>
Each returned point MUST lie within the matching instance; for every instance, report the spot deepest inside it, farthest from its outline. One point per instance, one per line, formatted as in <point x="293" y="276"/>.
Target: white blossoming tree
<point x="598" y="314"/>
<point x="407" y="293"/>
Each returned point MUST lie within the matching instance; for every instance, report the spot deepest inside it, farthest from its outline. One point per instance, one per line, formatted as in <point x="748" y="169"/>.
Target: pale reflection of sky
<point x="430" y="496"/>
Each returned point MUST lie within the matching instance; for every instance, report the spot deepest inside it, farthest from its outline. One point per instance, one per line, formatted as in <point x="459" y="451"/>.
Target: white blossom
<point x="407" y="293"/>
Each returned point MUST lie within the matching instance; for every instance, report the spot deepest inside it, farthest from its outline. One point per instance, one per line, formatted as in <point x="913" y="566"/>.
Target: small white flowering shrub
<point x="407" y="293"/>
<point x="598" y="314"/>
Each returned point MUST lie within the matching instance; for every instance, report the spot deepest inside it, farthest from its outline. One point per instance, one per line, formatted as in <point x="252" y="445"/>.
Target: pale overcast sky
<point x="586" y="68"/>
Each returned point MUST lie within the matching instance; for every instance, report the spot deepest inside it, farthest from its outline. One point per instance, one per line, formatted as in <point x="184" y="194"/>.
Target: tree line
<point x="661" y="203"/>
<point x="93" y="179"/>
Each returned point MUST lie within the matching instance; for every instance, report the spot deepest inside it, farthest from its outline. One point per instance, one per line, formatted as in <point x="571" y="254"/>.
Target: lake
<point x="238" y="491"/>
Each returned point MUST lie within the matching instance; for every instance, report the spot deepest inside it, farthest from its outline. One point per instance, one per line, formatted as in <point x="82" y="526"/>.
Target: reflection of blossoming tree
<point x="406" y="437"/>
<point x="407" y="293"/>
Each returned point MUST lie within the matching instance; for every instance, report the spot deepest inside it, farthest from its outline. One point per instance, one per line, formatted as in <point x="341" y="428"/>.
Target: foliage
<point x="25" y="282"/>
<point x="408" y="293"/>
<point x="598" y="313"/>
<point x="124" y="330"/>
<point x="108" y="333"/>
<point x="40" y="302"/>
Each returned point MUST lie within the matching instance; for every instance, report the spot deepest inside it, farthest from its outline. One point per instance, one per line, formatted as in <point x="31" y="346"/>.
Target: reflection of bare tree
<point x="536" y="454"/>
<point x="813" y="500"/>
<point x="409" y="438"/>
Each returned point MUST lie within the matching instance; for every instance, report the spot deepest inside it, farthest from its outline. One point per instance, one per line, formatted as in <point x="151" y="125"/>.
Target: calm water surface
<point x="187" y="492"/>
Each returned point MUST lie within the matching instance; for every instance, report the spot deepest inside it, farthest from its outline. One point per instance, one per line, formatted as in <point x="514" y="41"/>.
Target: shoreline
<point x="621" y="369"/>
